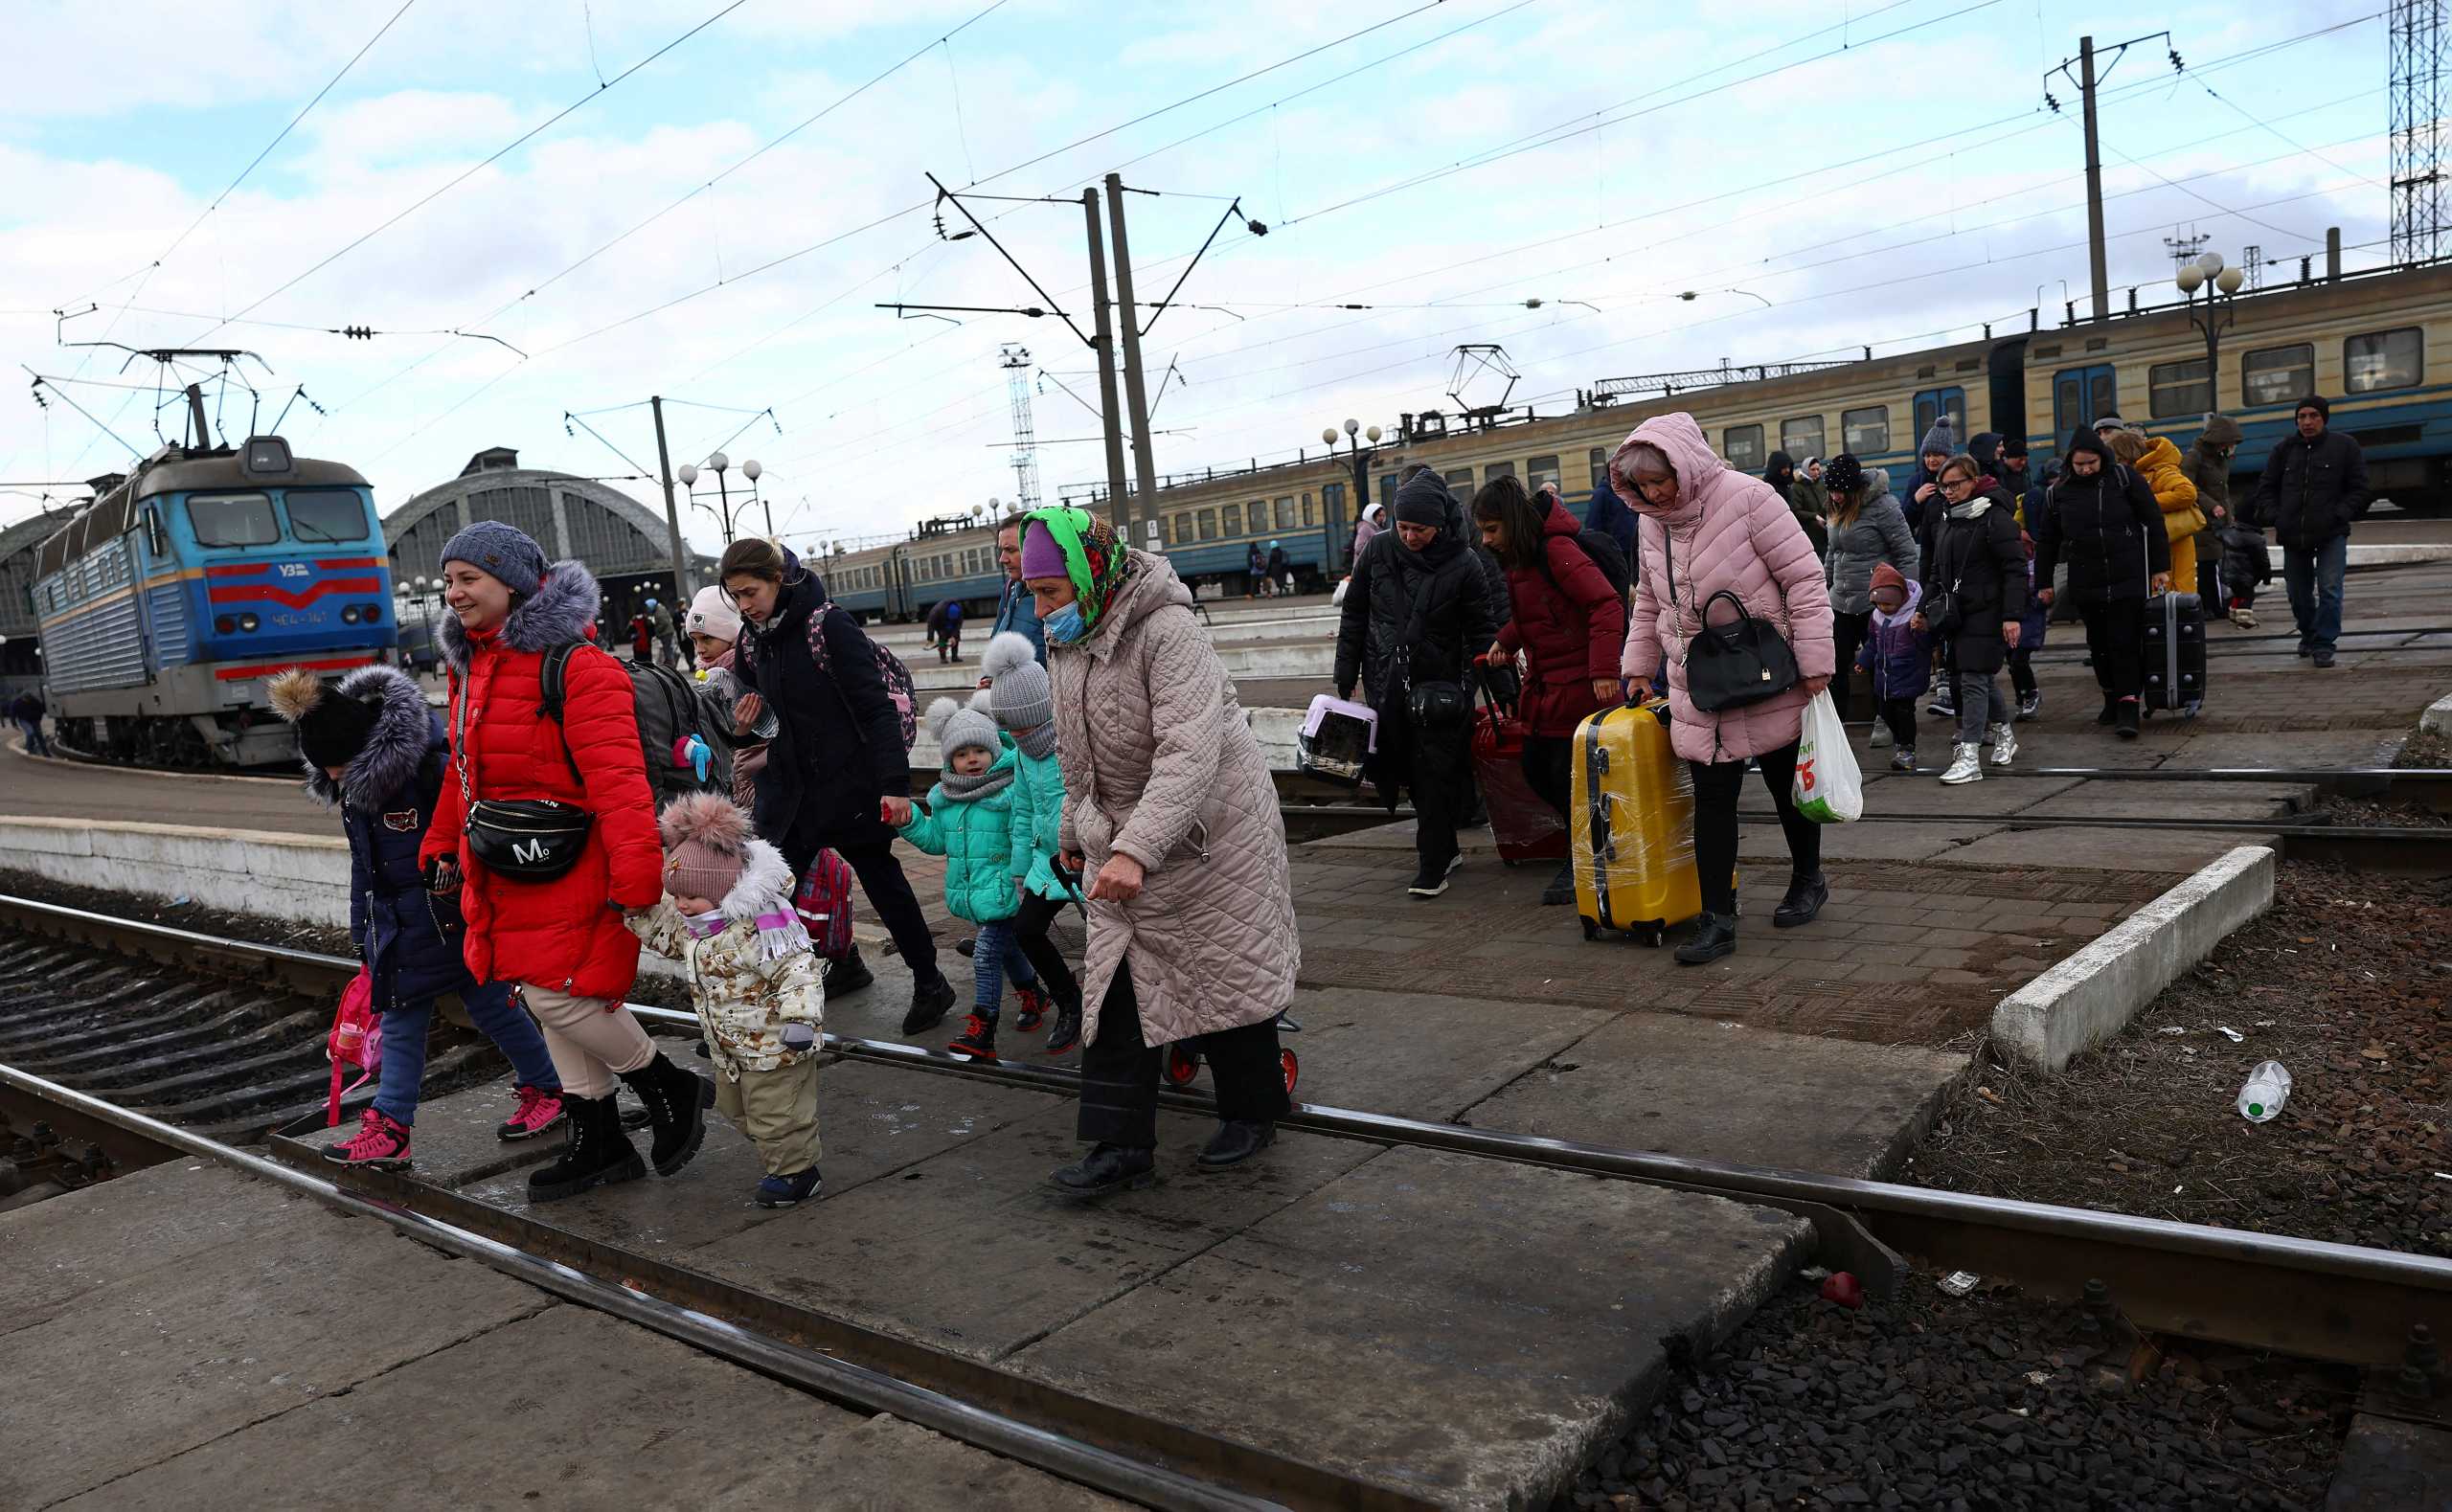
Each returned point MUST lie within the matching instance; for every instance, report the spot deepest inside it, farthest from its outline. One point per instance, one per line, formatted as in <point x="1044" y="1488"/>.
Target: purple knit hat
<point x="1041" y="557"/>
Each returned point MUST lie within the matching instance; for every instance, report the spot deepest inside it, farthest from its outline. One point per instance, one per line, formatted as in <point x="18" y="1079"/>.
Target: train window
<point x="1332" y="502"/>
<point x="1460" y="483"/>
<point x="1230" y="517"/>
<point x="1740" y="445"/>
<point x="1865" y="432"/>
<point x="1599" y="460"/>
<point x="2080" y="396"/>
<point x="233" y="519"/>
<point x="2277" y="374"/>
<point x="1209" y="524"/>
<point x="1545" y="469"/>
<point x="1183" y="529"/>
<point x="1388" y="489"/>
<point x="2179" y="387"/>
<point x="1285" y="514"/>
<point x="1932" y="404"/>
<point x="1498" y="469"/>
<point x="1802" y="437"/>
<point x="2383" y="359"/>
<point x="1310" y="511"/>
<point x="325" y="514"/>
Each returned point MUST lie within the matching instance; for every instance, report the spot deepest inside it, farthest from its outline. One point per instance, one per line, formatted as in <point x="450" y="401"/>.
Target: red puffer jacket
<point x="1571" y="624"/>
<point x="566" y="933"/>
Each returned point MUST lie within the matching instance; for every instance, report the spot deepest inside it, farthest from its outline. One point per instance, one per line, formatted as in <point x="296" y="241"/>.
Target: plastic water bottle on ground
<point x="2268" y="1088"/>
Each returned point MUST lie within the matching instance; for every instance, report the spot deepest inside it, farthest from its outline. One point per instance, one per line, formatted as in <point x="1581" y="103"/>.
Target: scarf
<point x="1038" y="744"/>
<point x="1972" y="509"/>
<point x="1095" y="559"/>
<point x="955" y="788"/>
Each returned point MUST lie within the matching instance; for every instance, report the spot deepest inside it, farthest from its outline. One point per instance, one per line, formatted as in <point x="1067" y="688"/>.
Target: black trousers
<point x="1120" y="1073"/>
<point x="2115" y="639"/>
<point x="1899" y="714"/>
<point x="1716" y="785"/>
<point x="2022" y="669"/>
<point x="1848" y="632"/>
<point x="1442" y="785"/>
<point x="1549" y="770"/>
<point x="889" y="892"/>
<point x="1029" y="932"/>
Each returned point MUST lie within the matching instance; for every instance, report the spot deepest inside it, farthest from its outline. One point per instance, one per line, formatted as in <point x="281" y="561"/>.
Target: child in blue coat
<point x="969" y="822"/>
<point x="374" y="747"/>
<point x="1023" y="703"/>
<point x="1900" y="658"/>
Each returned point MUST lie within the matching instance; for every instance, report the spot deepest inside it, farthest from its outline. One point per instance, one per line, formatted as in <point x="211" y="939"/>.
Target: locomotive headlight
<point x="371" y="614"/>
<point x="225" y="624"/>
<point x="248" y="622"/>
<point x="348" y="616"/>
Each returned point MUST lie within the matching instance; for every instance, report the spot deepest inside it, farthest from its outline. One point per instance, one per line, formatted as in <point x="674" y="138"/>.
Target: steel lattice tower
<point x="1015" y="359"/>
<point x="2416" y="28"/>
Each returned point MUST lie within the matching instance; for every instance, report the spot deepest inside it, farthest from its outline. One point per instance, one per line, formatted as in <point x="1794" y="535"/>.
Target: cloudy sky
<point x="708" y="200"/>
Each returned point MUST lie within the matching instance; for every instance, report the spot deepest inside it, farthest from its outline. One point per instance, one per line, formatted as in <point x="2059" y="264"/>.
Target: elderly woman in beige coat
<point x="1170" y="810"/>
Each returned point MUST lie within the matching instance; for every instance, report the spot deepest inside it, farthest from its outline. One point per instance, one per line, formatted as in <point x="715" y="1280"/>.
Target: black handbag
<point x="1436" y="704"/>
<point x="1729" y="667"/>
<point x="523" y="839"/>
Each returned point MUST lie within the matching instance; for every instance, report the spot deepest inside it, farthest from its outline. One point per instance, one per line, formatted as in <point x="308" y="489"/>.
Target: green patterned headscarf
<point x="1095" y="556"/>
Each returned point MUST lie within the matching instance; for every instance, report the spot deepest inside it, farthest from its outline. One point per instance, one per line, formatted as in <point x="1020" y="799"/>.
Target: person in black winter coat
<point x="1417" y="613"/>
<point x="2313" y="485"/>
<point x="2101" y="519"/>
<point x="839" y="748"/>
<point x="1974" y="573"/>
<point x="373" y="748"/>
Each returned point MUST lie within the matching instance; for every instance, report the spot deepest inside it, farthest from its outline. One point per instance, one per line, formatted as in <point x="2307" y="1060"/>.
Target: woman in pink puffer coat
<point x="1709" y="529"/>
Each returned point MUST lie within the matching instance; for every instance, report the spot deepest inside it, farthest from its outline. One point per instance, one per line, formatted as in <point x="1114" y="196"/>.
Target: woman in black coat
<point x="838" y="747"/>
<point x="1974" y="572"/>
<point x="2101" y="520"/>
<point x="1417" y="613"/>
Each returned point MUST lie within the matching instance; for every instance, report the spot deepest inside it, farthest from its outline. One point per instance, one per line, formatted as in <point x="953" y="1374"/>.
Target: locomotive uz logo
<point x="527" y="852"/>
<point x="292" y="569"/>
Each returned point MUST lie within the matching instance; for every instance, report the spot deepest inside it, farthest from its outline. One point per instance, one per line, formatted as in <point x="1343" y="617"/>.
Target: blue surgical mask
<point x="1064" y="625"/>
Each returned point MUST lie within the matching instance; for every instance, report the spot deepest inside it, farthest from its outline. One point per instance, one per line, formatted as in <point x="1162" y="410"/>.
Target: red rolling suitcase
<point x="1526" y="828"/>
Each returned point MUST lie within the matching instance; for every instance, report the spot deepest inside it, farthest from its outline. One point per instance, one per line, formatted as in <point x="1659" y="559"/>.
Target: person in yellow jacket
<point x="2158" y="462"/>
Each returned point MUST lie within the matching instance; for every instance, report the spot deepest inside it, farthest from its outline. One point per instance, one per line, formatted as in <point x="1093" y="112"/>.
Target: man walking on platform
<point x="1015" y="609"/>
<point x="2313" y="485"/>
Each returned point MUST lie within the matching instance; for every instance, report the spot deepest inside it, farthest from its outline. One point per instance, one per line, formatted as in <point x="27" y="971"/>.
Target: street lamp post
<point x="687" y="473"/>
<point x="750" y="470"/>
<point x="2213" y="316"/>
<point x="1361" y="457"/>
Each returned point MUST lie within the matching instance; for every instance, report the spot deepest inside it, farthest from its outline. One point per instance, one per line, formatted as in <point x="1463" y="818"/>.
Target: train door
<point x="2082" y="396"/>
<point x="1933" y="403"/>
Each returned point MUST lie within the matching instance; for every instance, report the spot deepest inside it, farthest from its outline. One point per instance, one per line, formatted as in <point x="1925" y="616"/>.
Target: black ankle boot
<point x="598" y="1155"/>
<point x="849" y="974"/>
<point x="676" y="1102"/>
<point x="1106" y="1168"/>
<point x="1804" y="899"/>
<point x="1237" y="1141"/>
<point x="1067" y="1032"/>
<point x="1715" y="937"/>
<point x="2125" y="719"/>
<point x="2111" y="710"/>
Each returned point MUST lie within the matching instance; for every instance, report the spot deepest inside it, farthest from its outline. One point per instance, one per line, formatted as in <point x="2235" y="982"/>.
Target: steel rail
<point x="2312" y="1298"/>
<point x="634" y="1299"/>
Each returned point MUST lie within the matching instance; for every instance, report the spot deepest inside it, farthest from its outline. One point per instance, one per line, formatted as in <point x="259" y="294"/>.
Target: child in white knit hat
<point x="1023" y="702"/>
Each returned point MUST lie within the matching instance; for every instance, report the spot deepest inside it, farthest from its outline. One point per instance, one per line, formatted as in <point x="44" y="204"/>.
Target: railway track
<point x="2340" y="1303"/>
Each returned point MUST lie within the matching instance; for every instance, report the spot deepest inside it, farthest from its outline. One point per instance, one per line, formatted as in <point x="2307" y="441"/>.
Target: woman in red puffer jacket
<point x="1567" y="620"/>
<point x="562" y="941"/>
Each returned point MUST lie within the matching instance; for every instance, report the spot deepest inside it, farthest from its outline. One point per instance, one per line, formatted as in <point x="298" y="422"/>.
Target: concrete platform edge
<point x="2093" y="994"/>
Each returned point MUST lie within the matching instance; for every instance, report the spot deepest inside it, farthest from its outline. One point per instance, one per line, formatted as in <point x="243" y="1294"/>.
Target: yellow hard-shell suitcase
<point x="1633" y="824"/>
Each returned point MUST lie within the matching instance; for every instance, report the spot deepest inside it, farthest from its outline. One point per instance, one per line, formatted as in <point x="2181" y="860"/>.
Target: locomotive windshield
<point x="233" y="519"/>
<point x="325" y="514"/>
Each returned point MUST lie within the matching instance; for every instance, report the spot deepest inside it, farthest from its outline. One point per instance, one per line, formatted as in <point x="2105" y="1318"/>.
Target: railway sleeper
<point x="281" y="1037"/>
<point x="303" y="1057"/>
<point x="100" y="1047"/>
<point x="94" y="1023"/>
<point x="111" y="985"/>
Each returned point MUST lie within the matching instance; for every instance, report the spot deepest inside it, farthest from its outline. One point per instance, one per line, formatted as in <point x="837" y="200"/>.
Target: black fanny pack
<point x="525" y="839"/>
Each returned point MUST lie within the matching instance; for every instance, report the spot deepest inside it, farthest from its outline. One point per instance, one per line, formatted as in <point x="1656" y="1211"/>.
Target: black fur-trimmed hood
<point x="557" y="614"/>
<point x="405" y="730"/>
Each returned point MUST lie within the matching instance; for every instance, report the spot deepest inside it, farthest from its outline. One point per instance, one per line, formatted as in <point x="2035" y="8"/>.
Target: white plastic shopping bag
<point x="1828" y="789"/>
<point x="1336" y="599"/>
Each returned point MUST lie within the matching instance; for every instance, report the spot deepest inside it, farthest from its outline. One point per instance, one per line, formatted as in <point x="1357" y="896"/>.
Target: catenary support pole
<point x="1135" y="394"/>
<point x="683" y="589"/>
<point x="1103" y="341"/>
<point x="2095" y="261"/>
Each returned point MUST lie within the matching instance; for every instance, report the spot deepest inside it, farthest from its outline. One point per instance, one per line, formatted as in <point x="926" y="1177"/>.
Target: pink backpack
<point x="823" y="900"/>
<point x="357" y="1040"/>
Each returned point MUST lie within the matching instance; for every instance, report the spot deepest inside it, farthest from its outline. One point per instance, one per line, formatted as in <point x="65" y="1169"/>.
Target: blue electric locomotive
<point x="165" y="602"/>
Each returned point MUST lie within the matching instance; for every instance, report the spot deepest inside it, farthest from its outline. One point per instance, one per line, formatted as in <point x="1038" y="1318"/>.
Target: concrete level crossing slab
<point x="158" y="1219"/>
<point x="1475" y="1371"/>
<point x="453" y="1143"/>
<point x="1422" y="1055"/>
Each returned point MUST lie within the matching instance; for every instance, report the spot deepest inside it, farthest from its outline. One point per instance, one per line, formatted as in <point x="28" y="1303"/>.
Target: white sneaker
<point x="1967" y="765"/>
<point x="2004" y="745"/>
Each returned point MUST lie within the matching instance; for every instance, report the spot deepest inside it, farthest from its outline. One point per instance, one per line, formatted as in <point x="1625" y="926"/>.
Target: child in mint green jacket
<point x="969" y="822"/>
<point x="1024" y="704"/>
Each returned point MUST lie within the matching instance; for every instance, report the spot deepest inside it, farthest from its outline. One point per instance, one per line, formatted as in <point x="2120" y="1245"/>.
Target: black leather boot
<point x="1237" y="1141"/>
<point x="1106" y="1168"/>
<point x="1715" y="937"/>
<point x="929" y="1001"/>
<point x="598" y="1155"/>
<point x="676" y="1102"/>
<point x="1804" y="899"/>
<point x="2125" y="719"/>
<point x="849" y="974"/>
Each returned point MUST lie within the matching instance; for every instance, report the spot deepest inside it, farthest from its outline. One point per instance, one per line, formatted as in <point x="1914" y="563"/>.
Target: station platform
<point x="1325" y="1300"/>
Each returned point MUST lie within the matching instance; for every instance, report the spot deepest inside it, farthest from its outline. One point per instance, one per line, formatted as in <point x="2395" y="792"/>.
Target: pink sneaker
<point x="538" y="1110"/>
<point x="380" y="1144"/>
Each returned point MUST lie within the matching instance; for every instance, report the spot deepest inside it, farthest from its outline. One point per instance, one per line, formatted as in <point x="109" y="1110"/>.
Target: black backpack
<point x="1603" y="547"/>
<point x="668" y="715"/>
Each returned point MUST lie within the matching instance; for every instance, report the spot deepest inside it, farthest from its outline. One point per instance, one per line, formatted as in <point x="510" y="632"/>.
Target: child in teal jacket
<point x="1021" y="699"/>
<point x="969" y="822"/>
